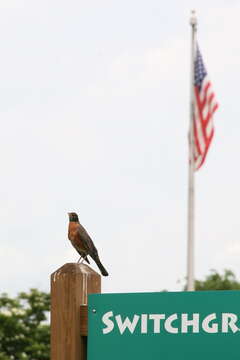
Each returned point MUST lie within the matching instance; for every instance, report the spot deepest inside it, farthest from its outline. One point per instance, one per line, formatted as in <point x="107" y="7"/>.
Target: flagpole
<point x="190" y="244"/>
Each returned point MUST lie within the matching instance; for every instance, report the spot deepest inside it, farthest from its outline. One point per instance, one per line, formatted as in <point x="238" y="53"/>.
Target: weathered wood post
<point x="70" y="286"/>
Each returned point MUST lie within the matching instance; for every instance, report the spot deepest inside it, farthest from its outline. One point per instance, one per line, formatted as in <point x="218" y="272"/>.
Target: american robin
<point x="82" y="242"/>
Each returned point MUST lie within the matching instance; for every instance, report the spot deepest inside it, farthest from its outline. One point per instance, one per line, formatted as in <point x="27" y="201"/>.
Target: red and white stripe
<point x="205" y="106"/>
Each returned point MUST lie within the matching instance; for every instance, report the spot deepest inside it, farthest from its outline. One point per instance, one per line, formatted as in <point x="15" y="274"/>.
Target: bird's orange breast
<point x="74" y="236"/>
<point x="72" y="230"/>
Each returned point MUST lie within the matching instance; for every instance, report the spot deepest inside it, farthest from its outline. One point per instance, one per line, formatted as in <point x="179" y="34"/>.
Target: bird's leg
<point x="84" y="258"/>
<point x="79" y="260"/>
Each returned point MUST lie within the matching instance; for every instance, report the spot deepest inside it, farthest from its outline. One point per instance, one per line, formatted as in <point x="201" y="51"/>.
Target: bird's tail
<point x="100" y="266"/>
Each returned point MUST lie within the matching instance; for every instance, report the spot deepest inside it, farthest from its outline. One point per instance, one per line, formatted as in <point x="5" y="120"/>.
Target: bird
<point x="82" y="242"/>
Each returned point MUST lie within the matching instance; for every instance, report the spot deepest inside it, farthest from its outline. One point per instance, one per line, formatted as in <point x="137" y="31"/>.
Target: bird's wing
<point x="87" y="241"/>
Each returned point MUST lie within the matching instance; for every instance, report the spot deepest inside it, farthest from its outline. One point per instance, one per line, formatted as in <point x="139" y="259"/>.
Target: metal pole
<point x="190" y="245"/>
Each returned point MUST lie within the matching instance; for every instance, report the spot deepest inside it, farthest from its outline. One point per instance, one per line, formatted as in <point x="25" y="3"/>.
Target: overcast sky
<point x="94" y="118"/>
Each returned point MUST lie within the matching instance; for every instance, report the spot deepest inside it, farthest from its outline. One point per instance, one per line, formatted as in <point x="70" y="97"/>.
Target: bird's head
<point x="73" y="217"/>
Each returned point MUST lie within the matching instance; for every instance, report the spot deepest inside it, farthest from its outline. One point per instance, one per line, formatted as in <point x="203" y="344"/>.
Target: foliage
<point x="24" y="330"/>
<point x="216" y="281"/>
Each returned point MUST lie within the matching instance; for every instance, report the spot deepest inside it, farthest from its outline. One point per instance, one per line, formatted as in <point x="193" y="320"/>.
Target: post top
<point x="74" y="268"/>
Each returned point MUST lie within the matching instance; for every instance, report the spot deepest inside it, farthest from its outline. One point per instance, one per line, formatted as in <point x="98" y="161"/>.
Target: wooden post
<point x="70" y="286"/>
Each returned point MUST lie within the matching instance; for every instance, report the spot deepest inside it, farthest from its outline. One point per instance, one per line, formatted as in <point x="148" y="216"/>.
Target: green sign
<point x="164" y="326"/>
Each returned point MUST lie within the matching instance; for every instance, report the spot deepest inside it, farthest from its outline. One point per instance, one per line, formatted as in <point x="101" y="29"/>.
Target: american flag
<point x="204" y="107"/>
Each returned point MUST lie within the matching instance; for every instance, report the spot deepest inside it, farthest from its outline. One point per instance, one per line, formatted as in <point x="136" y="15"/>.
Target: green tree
<point x="216" y="281"/>
<point x="24" y="328"/>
